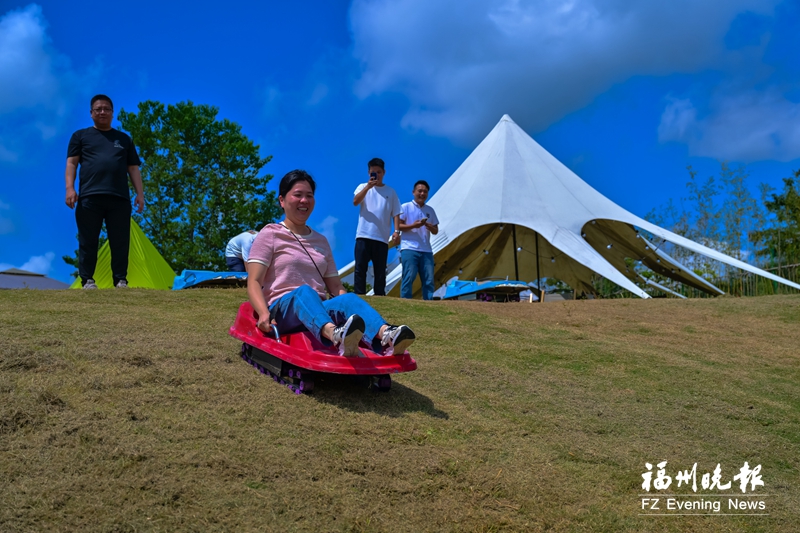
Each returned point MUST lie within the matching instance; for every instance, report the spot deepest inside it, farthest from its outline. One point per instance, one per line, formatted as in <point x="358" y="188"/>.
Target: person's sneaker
<point x="90" y="284"/>
<point x="397" y="339"/>
<point x="122" y="284"/>
<point x="347" y="336"/>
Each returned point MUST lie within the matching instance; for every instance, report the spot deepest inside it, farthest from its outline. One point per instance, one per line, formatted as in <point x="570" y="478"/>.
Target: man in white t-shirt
<point x="417" y="222"/>
<point x="379" y="208"/>
<point x="238" y="251"/>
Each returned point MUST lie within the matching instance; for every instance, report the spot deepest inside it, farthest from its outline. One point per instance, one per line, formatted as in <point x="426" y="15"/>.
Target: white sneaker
<point x="122" y="284"/>
<point x="347" y="336"/>
<point x="397" y="339"/>
<point x="90" y="284"/>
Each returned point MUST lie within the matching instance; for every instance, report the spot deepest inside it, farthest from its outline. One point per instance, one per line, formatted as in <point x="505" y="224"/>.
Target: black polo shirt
<point x="104" y="160"/>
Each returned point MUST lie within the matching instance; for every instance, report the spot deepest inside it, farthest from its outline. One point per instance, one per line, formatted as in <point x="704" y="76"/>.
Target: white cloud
<point x="741" y="126"/>
<point x="26" y="67"/>
<point x="678" y="120"/>
<point x="7" y="155"/>
<point x="41" y="264"/>
<point x="37" y="83"/>
<point x="462" y="64"/>
<point x="326" y="228"/>
<point x="318" y="94"/>
<point x="272" y="99"/>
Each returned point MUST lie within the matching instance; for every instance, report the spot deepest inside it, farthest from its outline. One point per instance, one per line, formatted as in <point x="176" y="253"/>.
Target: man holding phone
<point x="417" y="222"/>
<point x="379" y="208"/>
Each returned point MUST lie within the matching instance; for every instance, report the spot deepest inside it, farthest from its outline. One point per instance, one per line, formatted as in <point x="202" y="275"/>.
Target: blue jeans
<point x="414" y="263"/>
<point x="303" y="309"/>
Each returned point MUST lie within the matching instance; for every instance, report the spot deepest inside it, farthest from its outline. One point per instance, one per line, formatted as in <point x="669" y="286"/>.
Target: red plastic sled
<point x="293" y="359"/>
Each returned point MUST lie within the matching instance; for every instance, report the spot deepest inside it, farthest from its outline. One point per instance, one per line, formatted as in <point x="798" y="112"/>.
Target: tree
<point x="700" y="224"/>
<point x="201" y="181"/>
<point x="705" y="227"/>
<point x="740" y="216"/>
<point x="780" y="243"/>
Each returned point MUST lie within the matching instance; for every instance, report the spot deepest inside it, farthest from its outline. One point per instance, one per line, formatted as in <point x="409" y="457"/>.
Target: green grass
<point x="131" y="411"/>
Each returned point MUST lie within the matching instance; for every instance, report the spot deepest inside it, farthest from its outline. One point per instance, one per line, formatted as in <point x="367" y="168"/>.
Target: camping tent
<point x="14" y="278"/>
<point x="146" y="268"/>
<point x="512" y="209"/>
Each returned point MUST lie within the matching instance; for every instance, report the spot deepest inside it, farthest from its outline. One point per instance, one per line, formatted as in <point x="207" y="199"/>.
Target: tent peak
<point x="506" y="118"/>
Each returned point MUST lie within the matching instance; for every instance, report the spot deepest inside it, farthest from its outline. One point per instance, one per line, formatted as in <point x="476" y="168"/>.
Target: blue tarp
<point x="207" y="278"/>
<point x="458" y="289"/>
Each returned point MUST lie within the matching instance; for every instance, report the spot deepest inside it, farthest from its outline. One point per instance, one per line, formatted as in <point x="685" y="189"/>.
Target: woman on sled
<point x="291" y="268"/>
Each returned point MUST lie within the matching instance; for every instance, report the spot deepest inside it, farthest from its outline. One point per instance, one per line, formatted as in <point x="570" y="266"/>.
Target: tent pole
<point x="538" y="278"/>
<point x="516" y="266"/>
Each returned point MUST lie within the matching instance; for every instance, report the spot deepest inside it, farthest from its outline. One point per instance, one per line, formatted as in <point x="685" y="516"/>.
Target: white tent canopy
<point x="512" y="209"/>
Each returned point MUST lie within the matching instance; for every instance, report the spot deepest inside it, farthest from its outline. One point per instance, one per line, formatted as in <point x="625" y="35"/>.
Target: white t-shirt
<point x="417" y="239"/>
<point x="240" y="245"/>
<point x="377" y="211"/>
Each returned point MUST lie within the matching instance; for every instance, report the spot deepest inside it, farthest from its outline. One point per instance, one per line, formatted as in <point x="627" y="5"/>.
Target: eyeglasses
<point x="103" y="110"/>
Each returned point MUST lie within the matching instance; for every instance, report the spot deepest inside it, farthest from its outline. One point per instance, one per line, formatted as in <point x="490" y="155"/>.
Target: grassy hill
<point x="131" y="411"/>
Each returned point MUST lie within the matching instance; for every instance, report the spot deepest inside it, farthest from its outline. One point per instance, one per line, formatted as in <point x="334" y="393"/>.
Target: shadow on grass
<point x="352" y="393"/>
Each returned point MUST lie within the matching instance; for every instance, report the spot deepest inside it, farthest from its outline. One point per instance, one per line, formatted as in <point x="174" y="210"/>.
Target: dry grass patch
<point x="130" y="411"/>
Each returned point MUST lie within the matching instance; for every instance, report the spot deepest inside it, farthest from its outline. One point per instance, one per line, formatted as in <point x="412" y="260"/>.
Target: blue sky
<point x="626" y="93"/>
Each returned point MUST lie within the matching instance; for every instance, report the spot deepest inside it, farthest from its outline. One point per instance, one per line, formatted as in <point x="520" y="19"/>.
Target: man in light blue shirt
<point x="417" y="222"/>
<point x="238" y="251"/>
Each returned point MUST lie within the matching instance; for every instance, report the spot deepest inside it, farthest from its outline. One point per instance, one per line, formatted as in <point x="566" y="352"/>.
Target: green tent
<point x="146" y="268"/>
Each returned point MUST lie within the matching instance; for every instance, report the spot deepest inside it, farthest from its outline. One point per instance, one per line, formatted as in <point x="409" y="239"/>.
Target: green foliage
<point x="705" y="226"/>
<point x="717" y="213"/>
<point x="724" y="216"/>
<point x="201" y="181"/>
<point x="555" y="285"/>
<point x="740" y="212"/>
<point x="605" y="288"/>
<point x="780" y="243"/>
<point x="350" y="288"/>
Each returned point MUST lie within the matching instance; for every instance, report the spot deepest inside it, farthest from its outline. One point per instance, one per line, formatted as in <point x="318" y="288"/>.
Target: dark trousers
<point x="235" y="264"/>
<point x="90" y="212"/>
<point x="376" y="251"/>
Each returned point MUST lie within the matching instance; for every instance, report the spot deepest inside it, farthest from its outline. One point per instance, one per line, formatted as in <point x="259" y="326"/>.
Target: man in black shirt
<point x="107" y="158"/>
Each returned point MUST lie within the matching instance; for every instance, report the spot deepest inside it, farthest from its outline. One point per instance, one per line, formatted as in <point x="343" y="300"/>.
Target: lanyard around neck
<point x="309" y="256"/>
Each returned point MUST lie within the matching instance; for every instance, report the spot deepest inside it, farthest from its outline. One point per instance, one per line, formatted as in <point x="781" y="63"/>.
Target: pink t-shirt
<point x="288" y="265"/>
